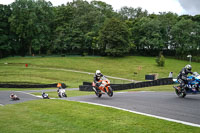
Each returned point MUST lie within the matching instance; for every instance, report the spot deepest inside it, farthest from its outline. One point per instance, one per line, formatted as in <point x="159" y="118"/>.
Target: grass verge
<point x="67" y="116"/>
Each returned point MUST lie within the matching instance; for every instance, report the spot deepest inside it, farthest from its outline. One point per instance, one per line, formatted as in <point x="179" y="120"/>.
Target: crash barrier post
<point x="87" y="86"/>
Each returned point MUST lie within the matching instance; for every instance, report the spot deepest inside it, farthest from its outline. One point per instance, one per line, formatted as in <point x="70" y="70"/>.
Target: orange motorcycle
<point x="103" y="88"/>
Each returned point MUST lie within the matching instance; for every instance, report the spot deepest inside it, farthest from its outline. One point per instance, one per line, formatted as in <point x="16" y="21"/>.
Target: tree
<point x="147" y="34"/>
<point x="22" y="21"/>
<point x="114" y="37"/>
<point x="132" y="13"/>
<point x="167" y="20"/>
<point x="185" y="35"/>
<point x="44" y="25"/>
<point x="30" y="21"/>
<point x="5" y="43"/>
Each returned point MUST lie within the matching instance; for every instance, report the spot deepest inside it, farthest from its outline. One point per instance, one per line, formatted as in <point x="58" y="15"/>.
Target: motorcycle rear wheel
<point x="59" y="95"/>
<point x="180" y="94"/>
<point x="98" y="94"/>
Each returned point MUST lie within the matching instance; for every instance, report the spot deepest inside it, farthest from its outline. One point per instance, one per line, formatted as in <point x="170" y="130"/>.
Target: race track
<point x="163" y="104"/>
<point x="5" y="97"/>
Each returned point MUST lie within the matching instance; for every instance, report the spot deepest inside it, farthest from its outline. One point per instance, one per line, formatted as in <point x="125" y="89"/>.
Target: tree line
<point x="37" y="27"/>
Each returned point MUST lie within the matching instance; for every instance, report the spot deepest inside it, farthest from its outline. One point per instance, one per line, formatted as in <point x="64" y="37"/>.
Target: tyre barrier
<point x="28" y="85"/>
<point x="87" y="86"/>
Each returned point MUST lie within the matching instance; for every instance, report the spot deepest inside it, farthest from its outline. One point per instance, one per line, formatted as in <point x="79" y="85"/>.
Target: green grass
<point x="66" y="116"/>
<point x="24" y="89"/>
<point x="41" y="76"/>
<point x="118" y="67"/>
<point x="39" y="70"/>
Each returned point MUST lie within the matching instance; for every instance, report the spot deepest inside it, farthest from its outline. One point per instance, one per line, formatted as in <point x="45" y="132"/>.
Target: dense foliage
<point x="30" y="27"/>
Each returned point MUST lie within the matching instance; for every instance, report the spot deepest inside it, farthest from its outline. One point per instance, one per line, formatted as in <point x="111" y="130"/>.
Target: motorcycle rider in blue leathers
<point x="182" y="77"/>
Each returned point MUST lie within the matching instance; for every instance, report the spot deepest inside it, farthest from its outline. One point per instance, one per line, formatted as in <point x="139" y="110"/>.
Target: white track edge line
<point x="136" y="112"/>
<point x="29" y="94"/>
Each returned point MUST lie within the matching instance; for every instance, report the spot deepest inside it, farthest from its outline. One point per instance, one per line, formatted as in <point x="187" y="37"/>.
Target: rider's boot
<point x="183" y="88"/>
<point x="97" y="89"/>
<point x="178" y="88"/>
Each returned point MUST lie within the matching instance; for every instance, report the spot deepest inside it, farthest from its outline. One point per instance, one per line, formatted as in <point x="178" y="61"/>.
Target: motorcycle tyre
<point x="64" y="95"/>
<point x="98" y="94"/>
<point x="180" y="94"/>
<point x="110" y="93"/>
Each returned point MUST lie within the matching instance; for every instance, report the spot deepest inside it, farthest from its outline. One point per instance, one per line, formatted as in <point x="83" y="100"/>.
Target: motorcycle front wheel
<point x="64" y="95"/>
<point x="110" y="93"/>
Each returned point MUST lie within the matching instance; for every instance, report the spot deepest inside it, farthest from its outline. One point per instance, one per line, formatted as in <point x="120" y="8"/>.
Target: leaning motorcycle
<point x="61" y="93"/>
<point x="45" y="96"/>
<point x="193" y="86"/>
<point x="14" y="97"/>
<point x="103" y="88"/>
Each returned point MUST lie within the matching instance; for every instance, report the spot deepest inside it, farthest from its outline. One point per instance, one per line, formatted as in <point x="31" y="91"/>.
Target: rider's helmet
<point x="12" y="95"/>
<point x="59" y="85"/>
<point x="188" y="67"/>
<point x="98" y="73"/>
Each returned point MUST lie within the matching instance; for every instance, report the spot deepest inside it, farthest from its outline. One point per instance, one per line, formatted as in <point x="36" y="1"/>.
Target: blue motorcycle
<point x="193" y="86"/>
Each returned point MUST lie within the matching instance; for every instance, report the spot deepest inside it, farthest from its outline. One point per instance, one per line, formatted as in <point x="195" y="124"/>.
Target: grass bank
<point x="46" y="69"/>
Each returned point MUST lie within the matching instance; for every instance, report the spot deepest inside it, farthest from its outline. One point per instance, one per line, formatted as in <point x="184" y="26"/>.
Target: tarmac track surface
<point x="163" y="104"/>
<point x="23" y="95"/>
<point x="5" y="97"/>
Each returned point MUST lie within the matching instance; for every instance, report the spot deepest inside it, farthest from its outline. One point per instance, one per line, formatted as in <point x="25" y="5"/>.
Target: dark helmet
<point x="188" y="67"/>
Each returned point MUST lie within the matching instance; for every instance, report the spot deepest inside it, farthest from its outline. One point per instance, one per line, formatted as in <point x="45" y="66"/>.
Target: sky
<point x="191" y="7"/>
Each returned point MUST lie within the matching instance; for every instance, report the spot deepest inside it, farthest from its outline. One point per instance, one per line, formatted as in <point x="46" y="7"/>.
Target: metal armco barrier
<point x="87" y="86"/>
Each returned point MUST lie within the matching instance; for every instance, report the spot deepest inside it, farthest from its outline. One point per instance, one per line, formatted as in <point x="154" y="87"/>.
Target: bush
<point x="84" y="54"/>
<point x="160" y="60"/>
